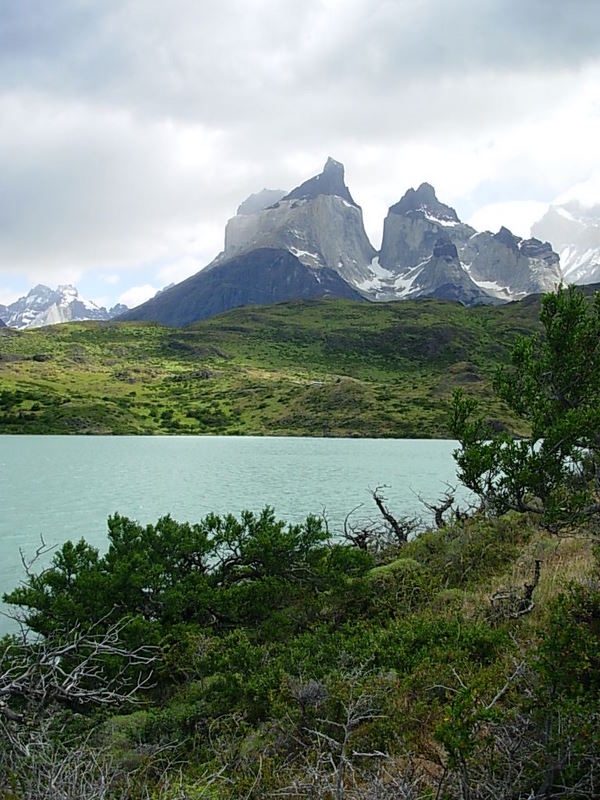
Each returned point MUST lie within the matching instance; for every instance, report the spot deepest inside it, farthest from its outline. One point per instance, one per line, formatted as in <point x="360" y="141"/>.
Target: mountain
<point x="45" y="306"/>
<point x="311" y="242"/>
<point x="509" y="267"/>
<point x="2" y="323"/>
<point x="318" y="222"/>
<point x="259" y="277"/>
<point x="574" y="230"/>
<point x="491" y="267"/>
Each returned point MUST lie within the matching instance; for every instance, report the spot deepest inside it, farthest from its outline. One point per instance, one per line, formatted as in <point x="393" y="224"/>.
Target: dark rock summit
<point x="424" y="200"/>
<point x="330" y="181"/>
<point x="507" y="238"/>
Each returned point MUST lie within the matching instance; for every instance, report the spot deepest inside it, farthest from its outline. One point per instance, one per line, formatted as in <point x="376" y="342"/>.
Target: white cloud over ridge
<point x="132" y="129"/>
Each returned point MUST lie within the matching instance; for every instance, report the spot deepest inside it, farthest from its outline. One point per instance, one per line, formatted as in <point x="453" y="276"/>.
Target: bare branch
<point x="41" y="551"/>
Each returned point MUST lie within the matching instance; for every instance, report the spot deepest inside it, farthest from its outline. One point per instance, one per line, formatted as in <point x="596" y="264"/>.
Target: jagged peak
<point x="39" y="288"/>
<point x="507" y="237"/>
<point x="424" y="199"/>
<point x="329" y="182"/>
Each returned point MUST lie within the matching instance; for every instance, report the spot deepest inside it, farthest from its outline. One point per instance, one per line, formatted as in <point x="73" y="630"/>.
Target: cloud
<point x="518" y="216"/>
<point x="586" y="192"/>
<point x="137" y="294"/>
<point x="132" y="129"/>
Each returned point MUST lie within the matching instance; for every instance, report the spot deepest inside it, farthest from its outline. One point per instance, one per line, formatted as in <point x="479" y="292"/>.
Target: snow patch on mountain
<point x="574" y="230"/>
<point x="45" y="306"/>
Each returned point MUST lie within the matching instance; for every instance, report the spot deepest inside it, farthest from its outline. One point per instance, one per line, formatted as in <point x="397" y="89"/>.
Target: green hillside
<point x="242" y="657"/>
<point x="326" y="367"/>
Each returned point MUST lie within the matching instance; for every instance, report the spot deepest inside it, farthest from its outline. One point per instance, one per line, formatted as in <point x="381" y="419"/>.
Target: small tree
<point x="554" y="384"/>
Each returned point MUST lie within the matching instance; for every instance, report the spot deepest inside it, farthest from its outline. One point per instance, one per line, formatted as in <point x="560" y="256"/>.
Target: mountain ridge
<point x="574" y="230"/>
<point x="320" y="224"/>
<point x="45" y="306"/>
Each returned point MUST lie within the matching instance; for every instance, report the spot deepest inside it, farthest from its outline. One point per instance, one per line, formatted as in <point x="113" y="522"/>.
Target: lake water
<point x="65" y="487"/>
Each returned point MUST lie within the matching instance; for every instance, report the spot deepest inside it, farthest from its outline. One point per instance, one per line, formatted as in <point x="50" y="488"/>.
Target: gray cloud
<point x="133" y="128"/>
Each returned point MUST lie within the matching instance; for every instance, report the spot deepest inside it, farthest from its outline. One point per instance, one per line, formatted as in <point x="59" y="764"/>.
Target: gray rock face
<point x="318" y="222"/>
<point x="45" y="306"/>
<point x="501" y="265"/>
<point x="574" y="231"/>
<point x="509" y="267"/>
<point x="413" y="226"/>
<point x="441" y="275"/>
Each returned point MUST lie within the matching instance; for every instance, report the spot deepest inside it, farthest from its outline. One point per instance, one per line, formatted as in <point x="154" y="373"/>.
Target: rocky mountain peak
<point x="424" y="200"/>
<point x="508" y="238"/>
<point x="39" y="290"/>
<point x="45" y="306"/>
<point x="329" y="182"/>
<point x="318" y="222"/>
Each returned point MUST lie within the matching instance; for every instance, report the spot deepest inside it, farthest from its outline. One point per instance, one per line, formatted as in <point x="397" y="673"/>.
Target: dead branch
<point x="41" y="551"/>
<point x="401" y="528"/>
<point x="76" y="668"/>
<point x="444" y="504"/>
<point x="515" y="603"/>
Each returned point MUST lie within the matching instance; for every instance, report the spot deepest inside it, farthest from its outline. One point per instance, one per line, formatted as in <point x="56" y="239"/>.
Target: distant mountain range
<point x="45" y="306"/>
<point x="311" y="242"/>
<point x="574" y="231"/>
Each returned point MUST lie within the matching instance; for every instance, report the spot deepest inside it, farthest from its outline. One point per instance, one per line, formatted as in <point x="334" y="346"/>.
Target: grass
<point x="332" y="367"/>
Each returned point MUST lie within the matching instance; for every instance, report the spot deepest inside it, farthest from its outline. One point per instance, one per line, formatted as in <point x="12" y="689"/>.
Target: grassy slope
<point x="300" y="368"/>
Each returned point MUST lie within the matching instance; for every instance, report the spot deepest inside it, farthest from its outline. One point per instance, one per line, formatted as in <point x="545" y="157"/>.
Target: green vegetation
<point x="269" y="660"/>
<point x="282" y="656"/>
<point x="336" y="367"/>
<point x="554" y="383"/>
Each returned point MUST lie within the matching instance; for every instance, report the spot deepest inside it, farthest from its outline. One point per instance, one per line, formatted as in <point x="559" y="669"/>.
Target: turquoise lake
<point x="65" y="487"/>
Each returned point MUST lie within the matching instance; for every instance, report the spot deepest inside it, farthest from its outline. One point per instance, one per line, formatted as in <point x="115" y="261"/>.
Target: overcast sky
<point x="132" y="129"/>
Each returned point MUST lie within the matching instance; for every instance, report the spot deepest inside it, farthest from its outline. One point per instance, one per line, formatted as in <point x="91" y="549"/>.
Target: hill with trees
<point x="243" y="657"/>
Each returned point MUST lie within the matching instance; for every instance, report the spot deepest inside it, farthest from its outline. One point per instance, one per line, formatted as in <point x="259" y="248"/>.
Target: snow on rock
<point x="574" y="230"/>
<point x="45" y="306"/>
